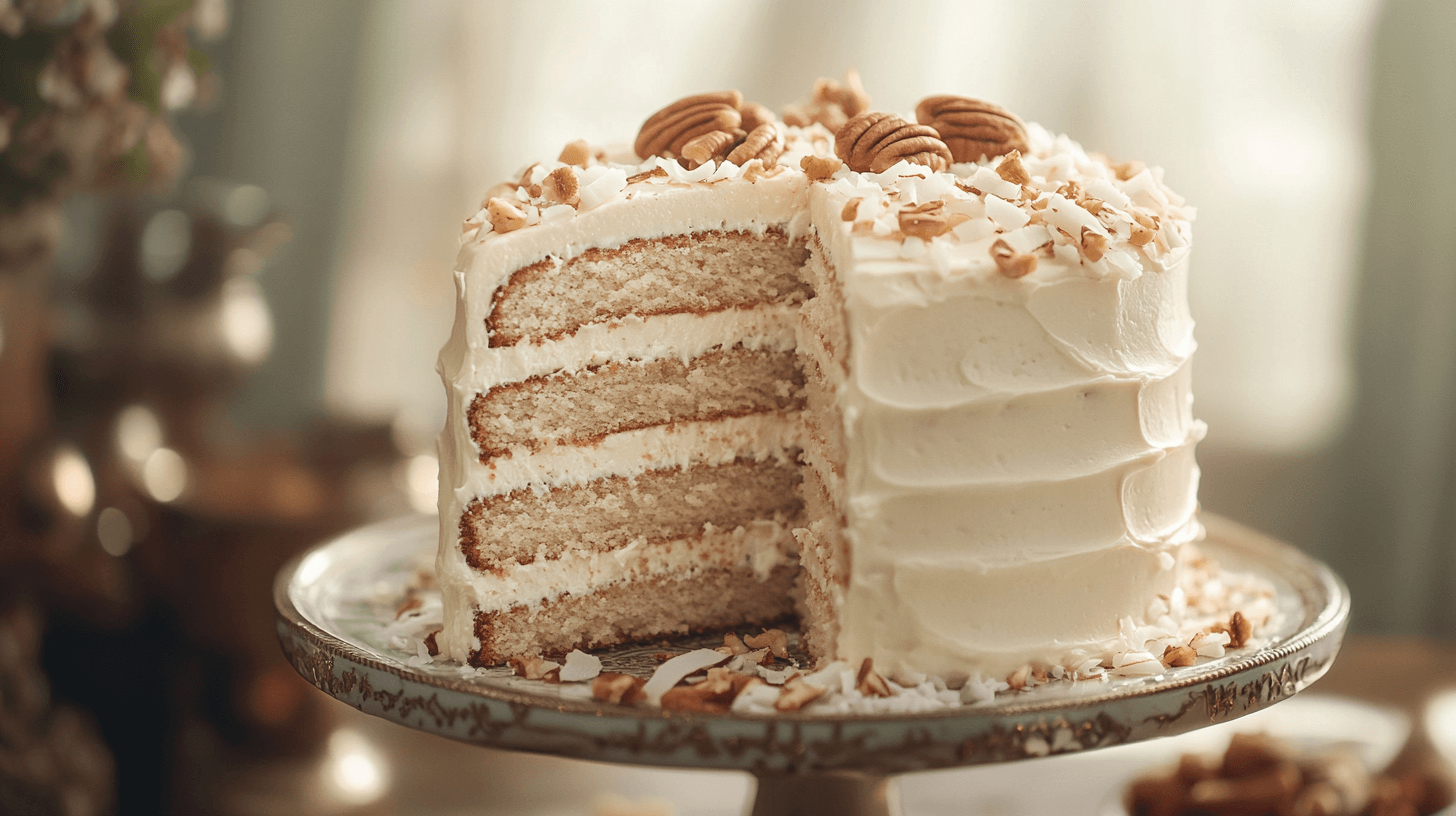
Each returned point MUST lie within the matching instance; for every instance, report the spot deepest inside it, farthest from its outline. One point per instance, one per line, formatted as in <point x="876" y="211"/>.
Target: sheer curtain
<point x="1394" y="531"/>
<point x="1255" y="110"/>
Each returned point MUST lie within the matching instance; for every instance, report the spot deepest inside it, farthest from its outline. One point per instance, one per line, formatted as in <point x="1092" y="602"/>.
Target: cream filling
<point x="632" y="453"/>
<point x="760" y="545"/>
<point x="683" y="336"/>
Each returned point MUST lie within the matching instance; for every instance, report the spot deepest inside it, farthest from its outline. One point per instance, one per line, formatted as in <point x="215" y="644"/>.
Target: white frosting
<point x="1020" y="451"/>
<point x="1020" y="471"/>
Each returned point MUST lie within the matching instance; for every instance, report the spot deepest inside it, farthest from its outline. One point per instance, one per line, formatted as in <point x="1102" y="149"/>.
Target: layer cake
<point x="925" y="386"/>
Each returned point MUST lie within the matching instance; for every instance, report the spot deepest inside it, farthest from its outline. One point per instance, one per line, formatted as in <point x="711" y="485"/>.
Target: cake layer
<point x="617" y="511"/>
<point x="676" y="604"/>
<point x="703" y="272"/>
<point x="761" y="544"/>
<point x="582" y="407"/>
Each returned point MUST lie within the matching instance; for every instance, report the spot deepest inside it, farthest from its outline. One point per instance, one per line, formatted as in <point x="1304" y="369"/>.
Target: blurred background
<point x="226" y="231"/>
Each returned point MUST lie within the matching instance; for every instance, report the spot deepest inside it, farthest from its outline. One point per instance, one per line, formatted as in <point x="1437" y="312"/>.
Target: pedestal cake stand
<point x="339" y="627"/>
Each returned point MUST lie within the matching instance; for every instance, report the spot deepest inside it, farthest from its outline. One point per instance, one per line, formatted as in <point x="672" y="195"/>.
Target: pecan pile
<point x="712" y="127"/>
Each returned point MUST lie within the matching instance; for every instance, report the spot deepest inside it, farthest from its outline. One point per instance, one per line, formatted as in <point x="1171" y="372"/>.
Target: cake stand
<point x="337" y="621"/>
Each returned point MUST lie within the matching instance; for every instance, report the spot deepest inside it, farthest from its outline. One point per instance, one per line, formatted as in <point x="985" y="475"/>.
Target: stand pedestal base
<point x="842" y="794"/>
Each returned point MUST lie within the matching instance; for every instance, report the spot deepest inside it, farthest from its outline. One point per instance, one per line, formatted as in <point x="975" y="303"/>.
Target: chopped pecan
<point x="1240" y="629"/>
<point x="971" y="128"/>
<point x="924" y="221"/>
<point x="561" y="186"/>
<point x="873" y="142"/>
<point x="763" y="143"/>
<point x="734" y="644"/>
<point x="656" y="172"/>
<point x="431" y="645"/>
<point x="772" y="639"/>
<point x="1141" y="235"/>
<point x="534" y="667"/>
<point x="668" y="130"/>
<point x="851" y="209"/>
<point x="504" y="216"/>
<point x="1011" y="169"/>
<point x="577" y="153"/>
<point x="713" y="695"/>
<point x="1179" y="656"/>
<point x="1128" y="169"/>
<point x="615" y="687"/>
<point x="869" y="682"/>
<point x="797" y="693"/>
<point x="1009" y="262"/>
<point x="820" y="168"/>
<point x="1094" y="246"/>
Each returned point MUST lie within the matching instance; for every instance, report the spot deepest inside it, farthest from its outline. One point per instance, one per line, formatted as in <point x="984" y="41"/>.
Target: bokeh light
<point x="165" y="243"/>
<point x="72" y="481"/>
<point x="115" y="532"/>
<point x="164" y="475"/>
<point x="354" y="772"/>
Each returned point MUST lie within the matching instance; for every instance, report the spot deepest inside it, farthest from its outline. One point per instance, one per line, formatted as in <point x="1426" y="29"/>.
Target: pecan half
<point x="710" y="146"/>
<point x="971" y="128"/>
<point x="763" y="143"/>
<point x="667" y="131"/>
<point x="834" y="103"/>
<point x="755" y="115"/>
<point x="873" y="142"/>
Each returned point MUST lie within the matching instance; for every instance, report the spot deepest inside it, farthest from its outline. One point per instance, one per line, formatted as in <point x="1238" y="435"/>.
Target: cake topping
<point x="797" y="693"/>
<point x="615" y="687"/>
<point x="561" y="186"/>
<point x="820" y="168"/>
<point x="765" y="143"/>
<point x="755" y="116"/>
<point x="710" y="146"/>
<point x="576" y="153"/>
<point x="834" y="103"/>
<point x="971" y="128"/>
<point x="869" y="682"/>
<point x="666" y="132"/>
<point x="504" y="216"/>
<point x="924" y="220"/>
<point x="1011" y="169"/>
<point x="1011" y="263"/>
<point x="874" y="142"/>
